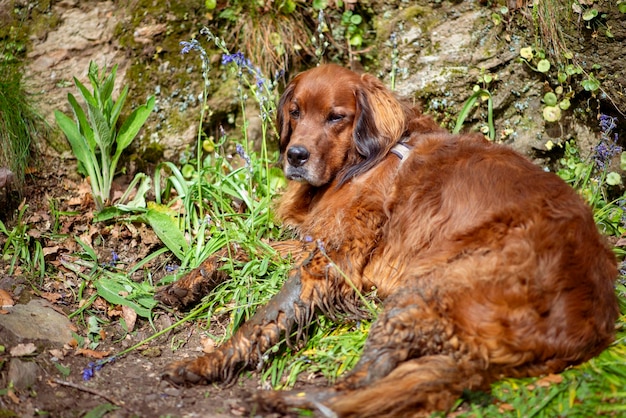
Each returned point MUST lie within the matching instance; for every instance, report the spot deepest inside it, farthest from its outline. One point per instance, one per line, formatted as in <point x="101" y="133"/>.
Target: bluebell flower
<point x="92" y="368"/>
<point x="192" y="45"/>
<point x="114" y="257"/>
<point x="242" y="153"/>
<point x="170" y="268"/>
<point x="607" y="148"/>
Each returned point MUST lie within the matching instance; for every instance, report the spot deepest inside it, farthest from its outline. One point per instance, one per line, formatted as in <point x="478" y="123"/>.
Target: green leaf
<point x="132" y="125"/>
<point x="166" y="228"/>
<point x="613" y="179"/>
<point x="103" y="134"/>
<point x="87" y="249"/>
<point x="100" y="410"/>
<point x="117" y="108"/>
<point x="107" y="88"/>
<point x="551" y="113"/>
<point x="590" y="83"/>
<point x="549" y="98"/>
<point x="113" y="291"/>
<point x="356" y="19"/>
<point x="526" y="53"/>
<point x="288" y="6"/>
<point x="356" y="40"/>
<point x="87" y="96"/>
<point x="622" y="161"/>
<point x="83" y="123"/>
<point x="543" y="66"/>
<point x="210" y="4"/>
<point x="64" y="370"/>
<point x="622" y="7"/>
<point x="81" y="150"/>
<point x="320" y="4"/>
<point x="590" y="14"/>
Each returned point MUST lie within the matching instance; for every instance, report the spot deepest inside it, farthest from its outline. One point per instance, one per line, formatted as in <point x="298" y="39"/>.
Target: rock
<point x="35" y="321"/>
<point x="23" y="374"/>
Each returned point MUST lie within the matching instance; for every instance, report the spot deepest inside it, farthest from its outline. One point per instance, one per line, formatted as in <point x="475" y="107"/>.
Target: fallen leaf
<point x="23" y="350"/>
<point x="5" y="299"/>
<point x="551" y="379"/>
<point x="51" y="297"/>
<point x="13" y="396"/>
<point x="505" y="407"/>
<point x="92" y="353"/>
<point x="55" y="352"/>
<point x="130" y="316"/>
<point x="50" y="250"/>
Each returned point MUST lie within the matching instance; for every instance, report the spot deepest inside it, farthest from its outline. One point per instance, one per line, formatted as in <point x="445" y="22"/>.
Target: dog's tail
<point x="415" y="388"/>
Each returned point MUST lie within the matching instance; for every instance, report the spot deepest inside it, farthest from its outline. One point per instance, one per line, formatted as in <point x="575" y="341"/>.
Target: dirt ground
<point x="131" y="385"/>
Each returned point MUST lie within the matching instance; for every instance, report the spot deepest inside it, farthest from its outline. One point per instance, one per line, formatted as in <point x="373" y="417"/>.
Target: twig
<point x="90" y="390"/>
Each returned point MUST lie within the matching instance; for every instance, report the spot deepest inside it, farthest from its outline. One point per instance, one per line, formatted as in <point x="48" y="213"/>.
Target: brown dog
<point x="488" y="265"/>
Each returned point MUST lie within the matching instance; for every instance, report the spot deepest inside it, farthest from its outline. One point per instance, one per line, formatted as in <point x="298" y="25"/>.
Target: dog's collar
<point x="401" y="149"/>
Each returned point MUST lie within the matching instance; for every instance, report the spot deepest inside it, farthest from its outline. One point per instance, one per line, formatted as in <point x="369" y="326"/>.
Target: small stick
<point x="89" y="390"/>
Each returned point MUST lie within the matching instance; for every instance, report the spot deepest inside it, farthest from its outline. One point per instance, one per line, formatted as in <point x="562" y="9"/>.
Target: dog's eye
<point x="335" y="117"/>
<point x="294" y="113"/>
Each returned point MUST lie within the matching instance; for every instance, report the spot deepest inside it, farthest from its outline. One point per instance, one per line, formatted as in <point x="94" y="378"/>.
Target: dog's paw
<point x="202" y="370"/>
<point x="292" y="401"/>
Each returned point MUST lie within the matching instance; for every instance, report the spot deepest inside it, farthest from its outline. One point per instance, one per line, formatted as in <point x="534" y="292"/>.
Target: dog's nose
<point x="297" y="155"/>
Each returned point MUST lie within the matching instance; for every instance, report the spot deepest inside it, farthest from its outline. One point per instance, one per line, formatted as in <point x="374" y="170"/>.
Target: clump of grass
<point x="20" y="123"/>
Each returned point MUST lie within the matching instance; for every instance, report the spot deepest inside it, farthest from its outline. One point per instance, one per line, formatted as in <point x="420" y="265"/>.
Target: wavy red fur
<point x="488" y="266"/>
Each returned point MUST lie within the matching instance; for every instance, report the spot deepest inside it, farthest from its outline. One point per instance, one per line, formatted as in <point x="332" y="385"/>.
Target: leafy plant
<point x="20" y="249"/>
<point x="20" y="122"/>
<point x="468" y="107"/>
<point x="94" y="137"/>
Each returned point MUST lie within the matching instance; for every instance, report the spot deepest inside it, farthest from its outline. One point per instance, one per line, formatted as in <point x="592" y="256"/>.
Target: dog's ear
<point x="282" y="119"/>
<point x="380" y="123"/>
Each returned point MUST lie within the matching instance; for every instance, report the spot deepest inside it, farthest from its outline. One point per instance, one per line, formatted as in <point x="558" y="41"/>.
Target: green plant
<point x="468" y="107"/>
<point x="20" y="123"/>
<point x="94" y="137"/>
<point x="20" y="250"/>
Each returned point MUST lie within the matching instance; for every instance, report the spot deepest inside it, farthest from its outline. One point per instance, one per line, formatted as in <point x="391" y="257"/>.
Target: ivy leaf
<point x="613" y="179"/>
<point x="543" y="66"/>
<point x="590" y="14"/>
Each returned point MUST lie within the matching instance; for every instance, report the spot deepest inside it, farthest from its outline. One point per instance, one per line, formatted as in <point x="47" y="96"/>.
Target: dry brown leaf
<point x="130" y="316"/>
<point x="51" y="297"/>
<point x="5" y="299"/>
<point x="23" y="350"/>
<point x="505" y="407"/>
<point x="55" y="352"/>
<point x="92" y="353"/>
<point x="551" y="379"/>
<point x="50" y="250"/>
<point x="11" y="394"/>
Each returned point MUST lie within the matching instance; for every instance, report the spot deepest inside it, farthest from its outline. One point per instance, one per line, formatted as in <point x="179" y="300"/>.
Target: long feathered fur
<point x="488" y="265"/>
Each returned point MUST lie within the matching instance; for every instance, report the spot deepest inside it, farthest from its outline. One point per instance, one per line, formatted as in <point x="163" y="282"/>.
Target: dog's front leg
<point x="251" y="340"/>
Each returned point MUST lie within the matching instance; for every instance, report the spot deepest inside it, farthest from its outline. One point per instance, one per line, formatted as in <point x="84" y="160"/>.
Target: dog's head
<point x="334" y="123"/>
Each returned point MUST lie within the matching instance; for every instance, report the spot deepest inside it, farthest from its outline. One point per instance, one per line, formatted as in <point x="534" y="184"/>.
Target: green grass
<point x="209" y="200"/>
<point x="20" y="123"/>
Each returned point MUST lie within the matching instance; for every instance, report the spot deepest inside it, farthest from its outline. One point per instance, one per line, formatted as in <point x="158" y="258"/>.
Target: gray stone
<point x="37" y="320"/>
<point x="23" y="374"/>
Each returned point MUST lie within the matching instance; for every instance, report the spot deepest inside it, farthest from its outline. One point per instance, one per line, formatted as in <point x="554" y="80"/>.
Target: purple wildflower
<point x="170" y="268"/>
<point x="607" y="148"/>
<point x="114" y="257"/>
<point x="242" y="153"/>
<point x="192" y="45"/>
<point x="244" y="63"/>
<point x="92" y="368"/>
